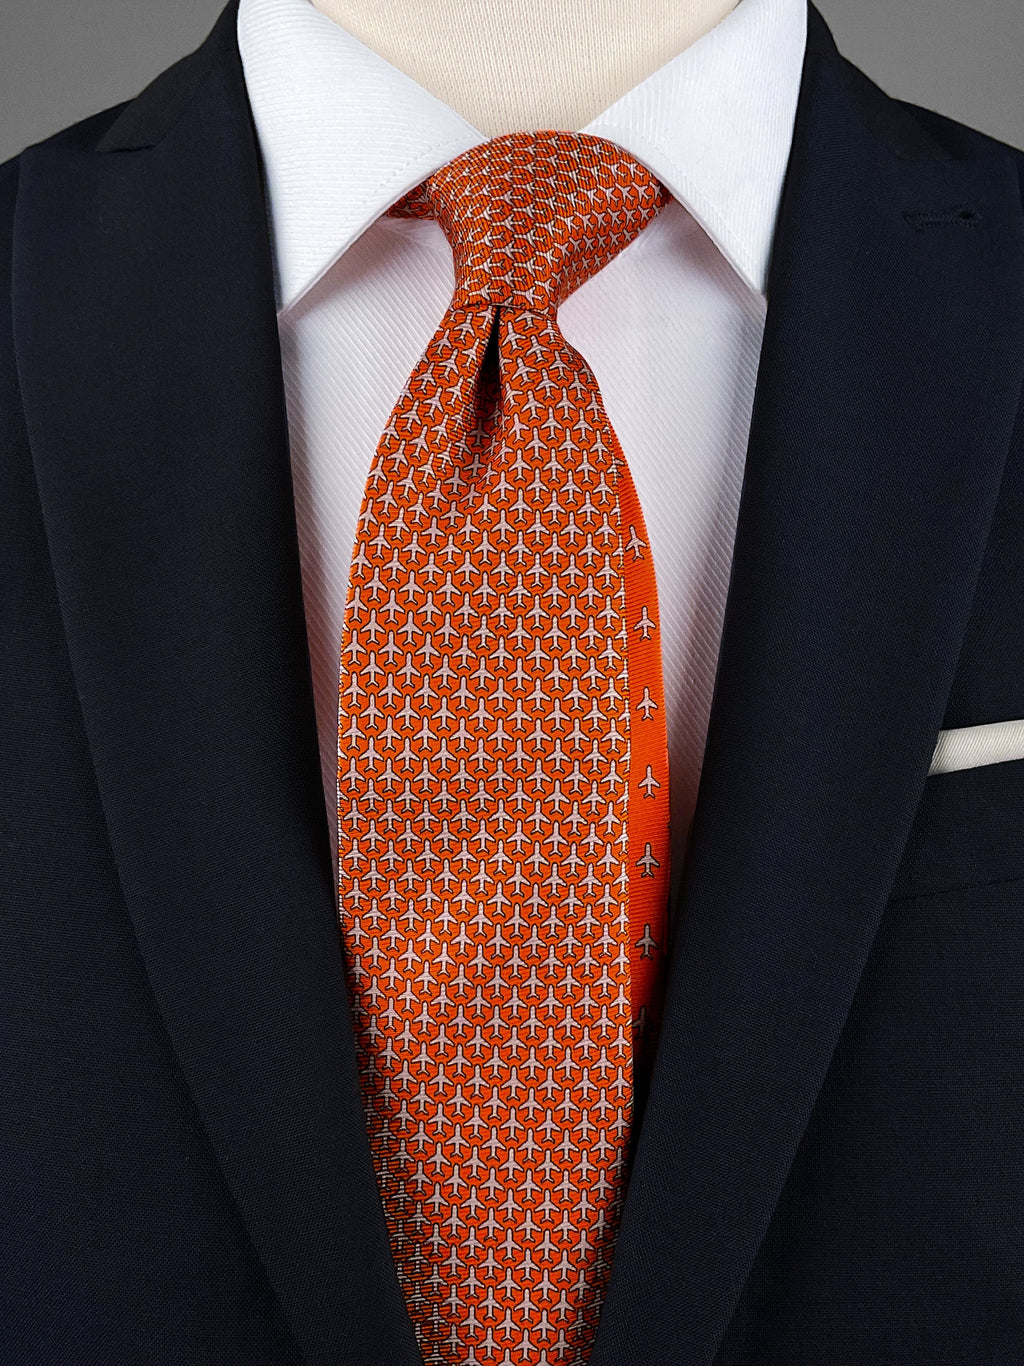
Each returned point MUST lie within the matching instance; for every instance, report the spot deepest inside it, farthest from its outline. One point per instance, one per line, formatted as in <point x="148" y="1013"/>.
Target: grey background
<point x="63" y="59"/>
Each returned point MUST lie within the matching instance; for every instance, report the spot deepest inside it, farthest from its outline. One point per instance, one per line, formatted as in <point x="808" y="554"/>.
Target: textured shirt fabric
<point x="672" y="327"/>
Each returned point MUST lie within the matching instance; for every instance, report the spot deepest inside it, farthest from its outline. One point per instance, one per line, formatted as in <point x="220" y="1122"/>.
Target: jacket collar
<point x="148" y="357"/>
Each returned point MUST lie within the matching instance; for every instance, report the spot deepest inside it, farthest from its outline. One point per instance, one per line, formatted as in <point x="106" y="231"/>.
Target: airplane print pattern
<point x="502" y="774"/>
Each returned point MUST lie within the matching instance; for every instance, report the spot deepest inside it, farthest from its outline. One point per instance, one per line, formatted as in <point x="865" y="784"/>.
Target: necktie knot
<point x="531" y="216"/>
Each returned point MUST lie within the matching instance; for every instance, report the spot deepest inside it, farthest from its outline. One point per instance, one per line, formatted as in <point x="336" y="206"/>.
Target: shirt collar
<point x="344" y="134"/>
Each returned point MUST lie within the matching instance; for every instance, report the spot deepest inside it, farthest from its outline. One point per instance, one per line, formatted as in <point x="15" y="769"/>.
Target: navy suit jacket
<point x="829" y="1165"/>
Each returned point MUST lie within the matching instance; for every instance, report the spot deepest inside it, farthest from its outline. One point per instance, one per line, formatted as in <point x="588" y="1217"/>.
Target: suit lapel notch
<point x="889" y="381"/>
<point x="148" y="354"/>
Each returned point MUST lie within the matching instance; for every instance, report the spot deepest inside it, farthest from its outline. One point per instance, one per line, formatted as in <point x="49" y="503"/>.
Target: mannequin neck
<point x="519" y="65"/>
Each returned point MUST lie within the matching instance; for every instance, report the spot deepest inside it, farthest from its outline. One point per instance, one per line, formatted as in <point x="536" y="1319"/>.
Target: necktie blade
<point x="502" y="775"/>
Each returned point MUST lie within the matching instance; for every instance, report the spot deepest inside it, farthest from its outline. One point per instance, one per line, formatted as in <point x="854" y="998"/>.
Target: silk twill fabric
<point x="502" y="773"/>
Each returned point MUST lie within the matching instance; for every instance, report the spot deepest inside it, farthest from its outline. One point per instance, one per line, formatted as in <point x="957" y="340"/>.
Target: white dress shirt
<point x="672" y="327"/>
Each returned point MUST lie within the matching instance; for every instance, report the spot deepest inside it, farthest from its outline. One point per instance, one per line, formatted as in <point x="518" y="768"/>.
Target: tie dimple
<point x="530" y="217"/>
<point x="502" y="774"/>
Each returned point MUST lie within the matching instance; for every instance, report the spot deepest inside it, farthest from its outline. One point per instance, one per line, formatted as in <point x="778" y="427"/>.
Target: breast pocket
<point x="968" y="831"/>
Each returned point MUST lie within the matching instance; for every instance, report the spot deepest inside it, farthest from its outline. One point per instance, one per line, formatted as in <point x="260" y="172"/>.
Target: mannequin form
<point x="518" y="65"/>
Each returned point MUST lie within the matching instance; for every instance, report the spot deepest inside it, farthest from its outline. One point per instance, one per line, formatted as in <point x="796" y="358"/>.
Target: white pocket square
<point x="974" y="745"/>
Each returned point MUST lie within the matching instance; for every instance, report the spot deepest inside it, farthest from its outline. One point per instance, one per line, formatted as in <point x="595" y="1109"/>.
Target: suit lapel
<point x="147" y="348"/>
<point x="890" y="376"/>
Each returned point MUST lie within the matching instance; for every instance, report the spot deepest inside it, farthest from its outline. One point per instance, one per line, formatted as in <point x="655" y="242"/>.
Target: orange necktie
<point x="502" y="773"/>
